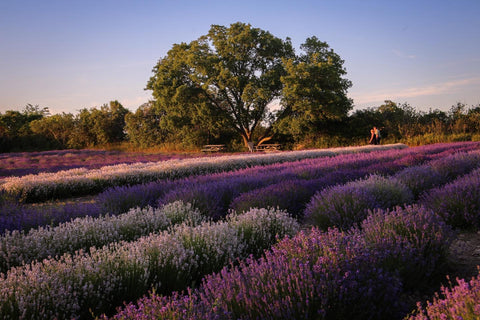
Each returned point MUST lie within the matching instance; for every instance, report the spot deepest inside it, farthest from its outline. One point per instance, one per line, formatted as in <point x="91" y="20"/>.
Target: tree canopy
<point x="230" y="77"/>
<point x="314" y="90"/>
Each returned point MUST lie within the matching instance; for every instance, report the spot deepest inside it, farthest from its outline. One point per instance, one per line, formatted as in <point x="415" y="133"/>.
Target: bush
<point x="419" y="178"/>
<point x="120" y="199"/>
<point x="414" y="241"/>
<point x="212" y="198"/>
<point x="77" y="285"/>
<point x="345" y="205"/>
<point x="457" y="164"/>
<point x="457" y="202"/>
<point x="261" y="228"/>
<point x="290" y="195"/>
<point x="459" y="302"/>
<point x="314" y="275"/>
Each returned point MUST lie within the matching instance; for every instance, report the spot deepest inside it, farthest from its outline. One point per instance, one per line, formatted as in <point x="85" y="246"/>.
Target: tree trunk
<point x="247" y="137"/>
<point x="264" y="139"/>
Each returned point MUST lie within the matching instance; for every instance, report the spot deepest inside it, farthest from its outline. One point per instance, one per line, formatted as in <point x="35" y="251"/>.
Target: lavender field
<point x="352" y="233"/>
<point x="23" y="163"/>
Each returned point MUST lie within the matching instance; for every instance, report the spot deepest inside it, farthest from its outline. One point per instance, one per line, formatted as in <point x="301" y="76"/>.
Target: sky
<point x="68" y="55"/>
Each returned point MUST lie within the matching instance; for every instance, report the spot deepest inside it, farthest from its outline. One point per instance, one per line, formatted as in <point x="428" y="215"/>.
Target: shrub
<point x="458" y="302"/>
<point x="288" y="195"/>
<point x="314" y="275"/>
<point x="457" y="202"/>
<point x="212" y="198"/>
<point x="456" y="164"/>
<point x="120" y="199"/>
<point x="343" y="206"/>
<point x="23" y="217"/>
<point x="419" y="178"/>
<point x="75" y="285"/>
<point x="261" y="228"/>
<point x="414" y="241"/>
<point x="292" y="195"/>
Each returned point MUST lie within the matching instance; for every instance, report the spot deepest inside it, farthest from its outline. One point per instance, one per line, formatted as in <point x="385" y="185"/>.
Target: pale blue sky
<point x="67" y="55"/>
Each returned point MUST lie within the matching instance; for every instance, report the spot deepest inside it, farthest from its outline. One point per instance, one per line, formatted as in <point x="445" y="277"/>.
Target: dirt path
<point x="465" y="255"/>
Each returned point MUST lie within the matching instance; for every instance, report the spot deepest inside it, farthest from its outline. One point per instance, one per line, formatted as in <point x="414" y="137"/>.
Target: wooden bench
<point x="268" y="147"/>
<point x="213" y="148"/>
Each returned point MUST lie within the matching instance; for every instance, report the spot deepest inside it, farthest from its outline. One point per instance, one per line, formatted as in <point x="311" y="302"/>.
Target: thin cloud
<point x="403" y="55"/>
<point x="429" y="90"/>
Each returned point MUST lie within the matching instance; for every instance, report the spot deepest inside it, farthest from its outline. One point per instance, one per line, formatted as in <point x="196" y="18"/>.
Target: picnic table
<point x="213" y="148"/>
<point x="268" y="147"/>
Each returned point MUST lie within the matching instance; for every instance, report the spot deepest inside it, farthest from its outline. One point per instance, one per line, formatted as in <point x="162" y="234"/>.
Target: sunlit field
<point x="342" y="233"/>
<point x="23" y="163"/>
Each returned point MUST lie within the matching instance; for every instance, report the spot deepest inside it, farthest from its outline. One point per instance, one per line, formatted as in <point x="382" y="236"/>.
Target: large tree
<point x="228" y="76"/>
<point x="315" y="90"/>
<point x="231" y="76"/>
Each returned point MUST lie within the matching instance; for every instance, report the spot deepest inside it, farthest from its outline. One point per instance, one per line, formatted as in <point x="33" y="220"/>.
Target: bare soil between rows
<point x="464" y="255"/>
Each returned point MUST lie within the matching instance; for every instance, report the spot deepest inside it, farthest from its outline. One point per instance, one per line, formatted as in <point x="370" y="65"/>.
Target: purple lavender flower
<point x="413" y="241"/>
<point x="454" y="302"/>
<point x="419" y="178"/>
<point x="457" y="202"/>
<point x="343" y="206"/>
<point x="21" y="217"/>
<point x="315" y="275"/>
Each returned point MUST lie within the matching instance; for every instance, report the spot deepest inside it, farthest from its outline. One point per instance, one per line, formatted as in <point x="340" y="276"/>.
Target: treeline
<point x="34" y="129"/>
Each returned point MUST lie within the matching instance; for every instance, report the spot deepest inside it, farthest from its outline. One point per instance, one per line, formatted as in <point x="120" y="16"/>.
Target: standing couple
<point x="375" y="136"/>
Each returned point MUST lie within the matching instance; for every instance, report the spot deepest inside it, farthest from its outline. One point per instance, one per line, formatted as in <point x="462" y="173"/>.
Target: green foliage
<point x="99" y="126"/>
<point x="143" y="126"/>
<point x="314" y="91"/>
<point x="15" y="133"/>
<point x="225" y="79"/>
<point x="232" y="76"/>
<point x="58" y="128"/>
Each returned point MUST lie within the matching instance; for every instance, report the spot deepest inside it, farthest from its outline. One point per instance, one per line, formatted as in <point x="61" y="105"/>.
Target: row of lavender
<point x="215" y="192"/>
<point x="83" y="181"/>
<point x="305" y="169"/>
<point x="290" y="186"/>
<point x="362" y="273"/>
<point x="214" y="197"/>
<point x="23" y="163"/>
<point x="96" y="281"/>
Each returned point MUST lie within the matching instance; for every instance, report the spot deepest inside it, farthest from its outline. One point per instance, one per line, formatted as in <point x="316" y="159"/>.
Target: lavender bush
<point x="414" y="241"/>
<point x="345" y="205"/>
<point x="456" y="164"/>
<point x="454" y="302"/>
<point x="100" y="279"/>
<point x="457" y="202"/>
<point x="81" y="181"/>
<point x="292" y="195"/>
<point x="261" y="228"/>
<point x="17" y="248"/>
<point x="437" y="172"/>
<point x="20" y="217"/>
<point x="23" y="163"/>
<point x="315" y="275"/>
<point x="419" y="178"/>
<point x="120" y="199"/>
<point x="211" y="197"/>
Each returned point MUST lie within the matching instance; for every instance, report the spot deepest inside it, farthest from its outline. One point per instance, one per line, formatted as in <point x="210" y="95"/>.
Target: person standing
<point x="373" y="138"/>
<point x="377" y="135"/>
